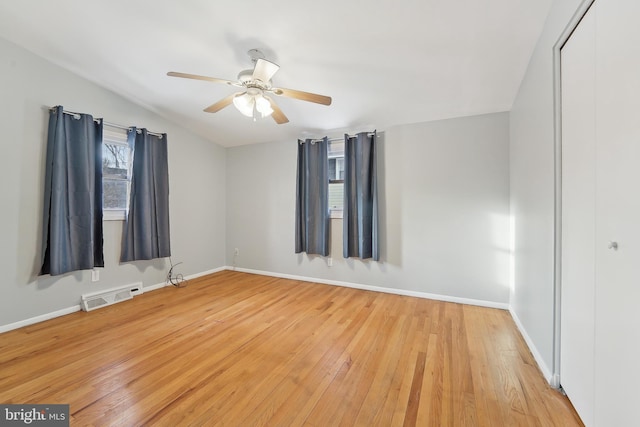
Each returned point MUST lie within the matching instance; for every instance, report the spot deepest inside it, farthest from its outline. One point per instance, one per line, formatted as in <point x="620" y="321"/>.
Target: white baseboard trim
<point x="38" y="319"/>
<point x="555" y="381"/>
<point x="73" y="309"/>
<point x="546" y="372"/>
<point x="438" y="297"/>
<point x="191" y="276"/>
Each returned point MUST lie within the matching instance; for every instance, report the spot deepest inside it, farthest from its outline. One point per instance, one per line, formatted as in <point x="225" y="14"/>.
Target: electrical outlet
<point x="95" y="275"/>
<point x="236" y="251"/>
<point x="329" y="261"/>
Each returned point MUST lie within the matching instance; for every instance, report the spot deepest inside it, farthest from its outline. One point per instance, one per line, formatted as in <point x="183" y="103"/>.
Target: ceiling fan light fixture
<point x="244" y="103"/>
<point x="263" y="106"/>
<point x="253" y="105"/>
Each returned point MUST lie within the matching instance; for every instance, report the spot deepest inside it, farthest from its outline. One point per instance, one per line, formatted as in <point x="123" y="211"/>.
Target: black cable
<point x="176" y="280"/>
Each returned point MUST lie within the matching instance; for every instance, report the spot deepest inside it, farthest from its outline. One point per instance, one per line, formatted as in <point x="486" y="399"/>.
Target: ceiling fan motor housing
<point x="245" y="76"/>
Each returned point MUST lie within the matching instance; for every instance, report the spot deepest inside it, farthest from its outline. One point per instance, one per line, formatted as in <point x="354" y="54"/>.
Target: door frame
<point x="557" y="179"/>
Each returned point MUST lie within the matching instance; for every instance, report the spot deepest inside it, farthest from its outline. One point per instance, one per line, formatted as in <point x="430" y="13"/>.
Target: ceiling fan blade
<point x="214" y="108"/>
<point x="264" y="70"/>
<point x="277" y="114"/>
<point x="197" y="77"/>
<point x="304" y="96"/>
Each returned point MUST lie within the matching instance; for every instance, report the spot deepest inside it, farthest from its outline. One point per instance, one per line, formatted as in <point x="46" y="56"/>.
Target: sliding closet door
<point x="600" y="306"/>
<point x="618" y="213"/>
<point x="578" y="217"/>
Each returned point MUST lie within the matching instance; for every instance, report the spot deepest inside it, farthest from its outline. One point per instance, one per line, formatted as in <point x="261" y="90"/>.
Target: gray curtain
<point x="146" y="230"/>
<point x="312" y="197"/>
<point x="360" y="212"/>
<point x="72" y="213"/>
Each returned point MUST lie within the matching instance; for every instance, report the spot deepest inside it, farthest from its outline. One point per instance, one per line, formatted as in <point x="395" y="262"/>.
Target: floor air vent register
<point x="111" y="296"/>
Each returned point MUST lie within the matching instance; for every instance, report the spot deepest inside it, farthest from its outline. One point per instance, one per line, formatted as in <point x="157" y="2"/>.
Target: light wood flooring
<point x="246" y="350"/>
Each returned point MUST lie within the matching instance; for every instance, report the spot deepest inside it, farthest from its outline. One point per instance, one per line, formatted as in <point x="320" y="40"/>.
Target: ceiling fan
<point x="253" y="100"/>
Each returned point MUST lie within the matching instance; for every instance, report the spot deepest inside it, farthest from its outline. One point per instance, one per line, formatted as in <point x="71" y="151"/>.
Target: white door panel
<point x="600" y="294"/>
<point x="578" y="218"/>
<point x="618" y="213"/>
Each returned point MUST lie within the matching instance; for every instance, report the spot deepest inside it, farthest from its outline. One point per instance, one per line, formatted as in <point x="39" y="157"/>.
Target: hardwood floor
<point x="245" y="350"/>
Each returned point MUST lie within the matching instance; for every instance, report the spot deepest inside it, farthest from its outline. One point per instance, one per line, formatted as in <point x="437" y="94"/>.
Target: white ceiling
<point x="384" y="62"/>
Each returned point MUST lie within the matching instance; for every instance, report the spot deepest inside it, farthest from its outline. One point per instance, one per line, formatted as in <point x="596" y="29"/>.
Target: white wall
<point x="444" y="200"/>
<point x="532" y="190"/>
<point x="29" y="85"/>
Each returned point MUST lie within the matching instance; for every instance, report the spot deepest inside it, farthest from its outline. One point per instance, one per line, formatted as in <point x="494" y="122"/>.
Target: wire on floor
<point x="176" y="280"/>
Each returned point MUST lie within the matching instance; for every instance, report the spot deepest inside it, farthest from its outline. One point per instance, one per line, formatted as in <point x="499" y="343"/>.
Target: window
<point x="336" y="178"/>
<point x="117" y="159"/>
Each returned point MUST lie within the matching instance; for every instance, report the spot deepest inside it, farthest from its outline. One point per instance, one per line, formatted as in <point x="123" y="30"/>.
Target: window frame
<point x="118" y="137"/>
<point x="336" y="213"/>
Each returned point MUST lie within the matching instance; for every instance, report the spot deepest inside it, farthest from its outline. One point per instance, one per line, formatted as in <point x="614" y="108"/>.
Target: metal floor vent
<point x="110" y="296"/>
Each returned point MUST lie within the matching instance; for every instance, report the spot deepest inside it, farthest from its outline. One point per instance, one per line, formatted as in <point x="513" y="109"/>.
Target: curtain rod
<point x="113" y="125"/>
<point x="104" y="122"/>
<point x="302" y="141"/>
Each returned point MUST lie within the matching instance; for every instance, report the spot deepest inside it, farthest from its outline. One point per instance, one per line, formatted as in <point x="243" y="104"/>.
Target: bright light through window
<point x="336" y="178"/>
<point x="116" y="173"/>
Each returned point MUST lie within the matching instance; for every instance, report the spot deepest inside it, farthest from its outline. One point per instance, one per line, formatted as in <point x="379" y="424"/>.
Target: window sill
<point x="113" y="215"/>
<point x="335" y="214"/>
